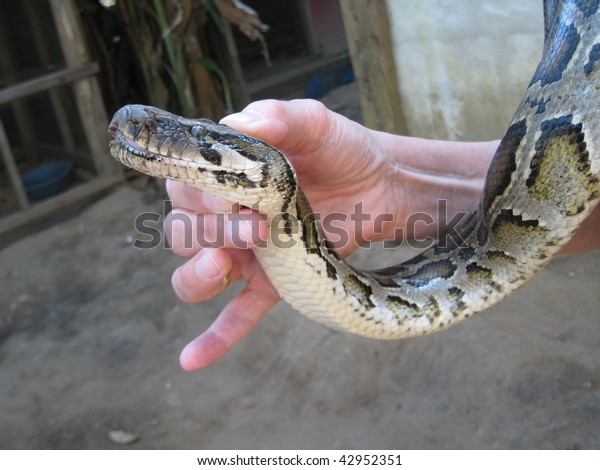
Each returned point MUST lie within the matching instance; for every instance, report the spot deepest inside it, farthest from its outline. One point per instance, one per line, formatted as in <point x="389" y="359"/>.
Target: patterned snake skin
<point x="542" y="183"/>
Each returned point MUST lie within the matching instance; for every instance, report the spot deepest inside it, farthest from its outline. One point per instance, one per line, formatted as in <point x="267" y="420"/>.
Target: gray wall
<point x="463" y="66"/>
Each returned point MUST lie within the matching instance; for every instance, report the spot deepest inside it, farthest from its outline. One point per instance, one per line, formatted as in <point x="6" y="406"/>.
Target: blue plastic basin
<point x="47" y="179"/>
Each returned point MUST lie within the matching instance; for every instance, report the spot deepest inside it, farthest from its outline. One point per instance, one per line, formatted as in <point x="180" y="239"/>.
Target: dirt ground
<point x="90" y="333"/>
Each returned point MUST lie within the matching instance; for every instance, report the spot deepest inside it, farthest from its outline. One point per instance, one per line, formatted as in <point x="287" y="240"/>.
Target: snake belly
<point x="542" y="183"/>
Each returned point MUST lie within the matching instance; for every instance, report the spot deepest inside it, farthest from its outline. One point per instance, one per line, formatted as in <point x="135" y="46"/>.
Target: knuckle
<point x="188" y="289"/>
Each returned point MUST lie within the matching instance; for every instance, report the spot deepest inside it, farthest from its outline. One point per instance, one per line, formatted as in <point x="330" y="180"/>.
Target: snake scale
<point x="542" y="183"/>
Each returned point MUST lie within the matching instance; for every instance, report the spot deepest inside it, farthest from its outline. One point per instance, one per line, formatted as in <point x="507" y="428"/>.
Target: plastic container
<point x="47" y="179"/>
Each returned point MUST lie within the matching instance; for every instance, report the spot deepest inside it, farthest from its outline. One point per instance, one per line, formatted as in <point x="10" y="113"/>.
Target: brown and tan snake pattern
<point x="542" y="183"/>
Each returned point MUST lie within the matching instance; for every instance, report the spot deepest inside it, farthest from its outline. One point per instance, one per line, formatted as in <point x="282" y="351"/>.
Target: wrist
<point x="435" y="194"/>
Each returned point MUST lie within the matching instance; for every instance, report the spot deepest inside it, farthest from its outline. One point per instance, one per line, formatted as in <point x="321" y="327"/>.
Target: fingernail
<point x="207" y="268"/>
<point x="241" y="117"/>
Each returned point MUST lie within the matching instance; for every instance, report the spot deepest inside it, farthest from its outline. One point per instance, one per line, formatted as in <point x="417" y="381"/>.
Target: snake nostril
<point x="112" y="129"/>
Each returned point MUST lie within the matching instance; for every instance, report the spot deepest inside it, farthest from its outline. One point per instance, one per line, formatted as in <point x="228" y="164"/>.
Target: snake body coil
<point x="542" y="183"/>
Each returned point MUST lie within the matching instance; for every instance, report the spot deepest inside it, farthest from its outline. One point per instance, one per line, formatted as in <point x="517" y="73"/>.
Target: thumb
<point x="297" y="126"/>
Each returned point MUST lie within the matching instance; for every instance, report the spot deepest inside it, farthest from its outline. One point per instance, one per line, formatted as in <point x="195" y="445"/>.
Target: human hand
<point x="318" y="143"/>
<point x="342" y="167"/>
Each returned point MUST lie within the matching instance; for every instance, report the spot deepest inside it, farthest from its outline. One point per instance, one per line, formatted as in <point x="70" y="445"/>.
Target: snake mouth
<point x="127" y="129"/>
<point x="127" y="150"/>
<point x="121" y="147"/>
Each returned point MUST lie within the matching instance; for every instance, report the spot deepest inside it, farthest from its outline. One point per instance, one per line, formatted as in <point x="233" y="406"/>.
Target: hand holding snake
<point x="541" y="185"/>
<point x="336" y="186"/>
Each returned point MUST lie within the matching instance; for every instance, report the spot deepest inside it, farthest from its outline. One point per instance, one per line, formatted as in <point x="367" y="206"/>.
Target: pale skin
<point x="339" y="164"/>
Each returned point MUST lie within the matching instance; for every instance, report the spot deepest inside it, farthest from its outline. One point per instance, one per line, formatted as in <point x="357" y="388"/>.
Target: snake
<point x="542" y="182"/>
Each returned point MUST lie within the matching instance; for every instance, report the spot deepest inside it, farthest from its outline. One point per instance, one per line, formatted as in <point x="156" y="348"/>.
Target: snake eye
<point x="198" y="131"/>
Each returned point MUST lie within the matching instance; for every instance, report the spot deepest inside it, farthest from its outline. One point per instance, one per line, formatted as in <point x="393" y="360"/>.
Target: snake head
<point x="157" y="134"/>
<point x="213" y="157"/>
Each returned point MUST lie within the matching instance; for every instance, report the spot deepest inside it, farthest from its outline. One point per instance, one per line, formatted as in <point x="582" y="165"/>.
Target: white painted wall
<point x="463" y="65"/>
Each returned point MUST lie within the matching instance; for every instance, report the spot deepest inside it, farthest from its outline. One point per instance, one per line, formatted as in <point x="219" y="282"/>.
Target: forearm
<point x="455" y="172"/>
